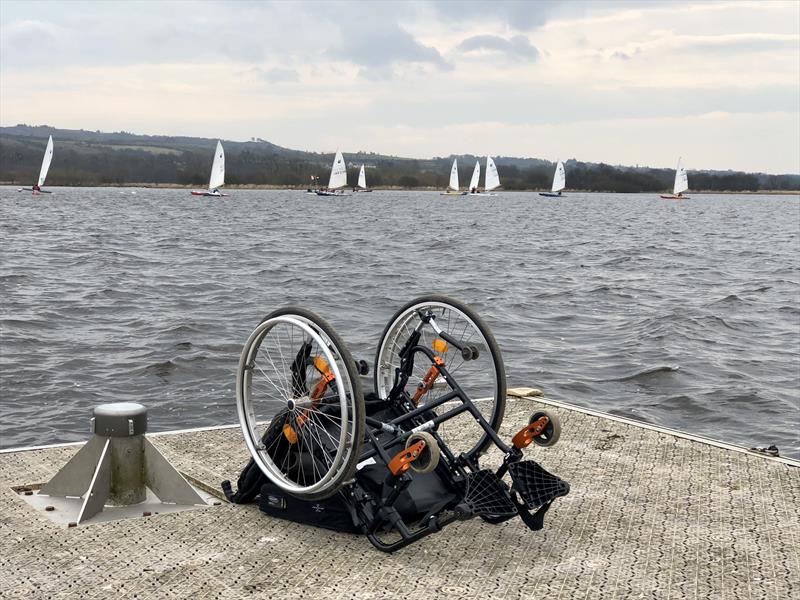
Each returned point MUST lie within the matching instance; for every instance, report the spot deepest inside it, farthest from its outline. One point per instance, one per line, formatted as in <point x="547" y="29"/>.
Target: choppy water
<point x="685" y="314"/>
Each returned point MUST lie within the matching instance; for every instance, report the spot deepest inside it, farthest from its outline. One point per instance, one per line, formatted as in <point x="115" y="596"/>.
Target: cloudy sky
<point x="620" y="82"/>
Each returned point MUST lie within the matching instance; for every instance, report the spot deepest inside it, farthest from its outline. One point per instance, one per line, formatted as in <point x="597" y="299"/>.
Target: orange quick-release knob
<point x="525" y="435"/>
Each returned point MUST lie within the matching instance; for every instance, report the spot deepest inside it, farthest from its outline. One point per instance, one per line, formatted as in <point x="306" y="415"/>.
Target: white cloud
<point x="417" y="78"/>
<point x="517" y="47"/>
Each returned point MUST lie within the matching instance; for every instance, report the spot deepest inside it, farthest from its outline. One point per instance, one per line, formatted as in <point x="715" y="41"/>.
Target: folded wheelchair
<point x="403" y="462"/>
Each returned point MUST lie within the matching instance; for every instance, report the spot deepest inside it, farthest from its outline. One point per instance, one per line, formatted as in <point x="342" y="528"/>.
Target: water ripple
<point x="682" y="314"/>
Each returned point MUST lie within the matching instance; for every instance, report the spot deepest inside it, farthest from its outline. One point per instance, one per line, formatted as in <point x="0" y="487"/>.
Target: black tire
<point x="491" y="360"/>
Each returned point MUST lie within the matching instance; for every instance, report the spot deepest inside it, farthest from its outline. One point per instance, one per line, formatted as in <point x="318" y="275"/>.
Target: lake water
<point x="684" y="314"/>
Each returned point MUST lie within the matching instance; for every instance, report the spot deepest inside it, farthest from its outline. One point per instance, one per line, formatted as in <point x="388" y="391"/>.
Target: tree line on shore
<point x="95" y="159"/>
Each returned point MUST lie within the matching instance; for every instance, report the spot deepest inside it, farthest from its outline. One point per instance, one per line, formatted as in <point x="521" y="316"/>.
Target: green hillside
<point x="93" y="158"/>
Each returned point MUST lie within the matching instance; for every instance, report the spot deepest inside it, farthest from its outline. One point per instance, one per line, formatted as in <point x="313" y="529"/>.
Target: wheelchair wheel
<point x="482" y="378"/>
<point x="300" y="403"/>
<point x="430" y="455"/>
<point x="551" y="432"/>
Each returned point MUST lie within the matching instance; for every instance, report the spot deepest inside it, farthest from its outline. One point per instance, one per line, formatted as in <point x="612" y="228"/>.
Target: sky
<point x="637" y="82"/>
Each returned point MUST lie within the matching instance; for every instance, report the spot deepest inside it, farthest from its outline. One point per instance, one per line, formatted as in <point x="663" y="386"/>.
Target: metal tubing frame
<point x="380" y="506"/>
<point x="455" y="393"/>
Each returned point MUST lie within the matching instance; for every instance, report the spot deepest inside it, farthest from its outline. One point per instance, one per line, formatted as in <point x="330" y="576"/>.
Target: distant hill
<point x="97" y="158"/>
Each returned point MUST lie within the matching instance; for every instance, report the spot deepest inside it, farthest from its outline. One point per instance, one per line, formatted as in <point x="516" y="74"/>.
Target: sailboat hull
<point x="331" y="193"/>
<point x="674" y="197"/>
<point x="449" y="193"/>
<point x="209" y="194"/>
<point x="551" y="195"/>
<point x="35" y="192"/>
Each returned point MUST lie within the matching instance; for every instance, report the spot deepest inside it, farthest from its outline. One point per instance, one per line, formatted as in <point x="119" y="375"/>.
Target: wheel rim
<point x="478" y="378"/>
<point x="265" y="386"/>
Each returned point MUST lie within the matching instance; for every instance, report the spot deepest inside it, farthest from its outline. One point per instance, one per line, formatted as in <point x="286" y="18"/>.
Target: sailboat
<point x="681" y="184"/>
<point x="452" y="188"/>
<point x="217" y="178"/>
<point x="492" y="176"/>
<point x="362" y="182"/>
<point x="559" y="182"/>
<point x="476" y="176"/>
<point x="48" y="158"/>
<point x="338" y="177"/>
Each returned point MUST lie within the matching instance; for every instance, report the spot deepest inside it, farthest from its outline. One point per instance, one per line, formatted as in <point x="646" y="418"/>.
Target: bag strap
<point x="250" y="482"/>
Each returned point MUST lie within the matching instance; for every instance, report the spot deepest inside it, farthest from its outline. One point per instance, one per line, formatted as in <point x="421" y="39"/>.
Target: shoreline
<point x="270" y="187"/>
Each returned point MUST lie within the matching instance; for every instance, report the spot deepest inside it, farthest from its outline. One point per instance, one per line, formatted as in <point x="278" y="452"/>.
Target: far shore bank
<point x="266" y="187"/>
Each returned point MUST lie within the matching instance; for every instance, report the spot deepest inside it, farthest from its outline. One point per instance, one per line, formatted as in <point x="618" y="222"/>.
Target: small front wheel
<point x="428" y="460"/>
<point x="551" y="432"/>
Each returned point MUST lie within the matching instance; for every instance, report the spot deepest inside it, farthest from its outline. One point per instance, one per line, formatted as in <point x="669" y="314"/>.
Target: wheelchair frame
<point x="424" y="450"/>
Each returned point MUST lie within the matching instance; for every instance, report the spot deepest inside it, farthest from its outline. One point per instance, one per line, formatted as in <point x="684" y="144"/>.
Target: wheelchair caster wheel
<point x="429" y="458"/>
<point x="552" y="430"/>
<point x="362" y="367"/>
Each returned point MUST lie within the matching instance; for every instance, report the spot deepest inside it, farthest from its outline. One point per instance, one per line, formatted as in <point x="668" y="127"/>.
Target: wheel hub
<point x="304" y="402"/>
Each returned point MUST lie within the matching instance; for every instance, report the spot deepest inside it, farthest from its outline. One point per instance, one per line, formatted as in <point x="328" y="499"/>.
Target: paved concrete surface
<point x="650" y="515"/>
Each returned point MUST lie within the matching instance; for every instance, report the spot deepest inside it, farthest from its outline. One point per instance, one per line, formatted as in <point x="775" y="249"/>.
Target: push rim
<point x="264" y="387"/>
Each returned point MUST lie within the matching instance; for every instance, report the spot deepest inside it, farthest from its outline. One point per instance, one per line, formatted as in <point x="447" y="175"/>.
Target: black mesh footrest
<point x="534" y="484"/>
<point x="486" y="494"/>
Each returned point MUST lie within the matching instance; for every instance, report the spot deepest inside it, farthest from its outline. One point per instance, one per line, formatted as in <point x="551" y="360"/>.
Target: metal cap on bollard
<point x="120" y="419"/>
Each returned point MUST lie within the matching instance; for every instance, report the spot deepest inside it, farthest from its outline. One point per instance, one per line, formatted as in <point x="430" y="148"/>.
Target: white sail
<point x="560" y="178"/>
<point x="476" y="175"/>
<point x="48" y="158"/>
<point x="338" y="172"/>
<point x="362" y="178"/>
<point x="492" y="177"/>
<point x="454" y="175"/>
<point x="681" y="179"/>
<point x="217" y="178"/>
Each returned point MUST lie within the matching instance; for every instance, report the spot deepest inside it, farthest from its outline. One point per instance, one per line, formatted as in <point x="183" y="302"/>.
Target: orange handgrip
<point x="403" y="459"/>
<point x="290" y="434"/>
<point x="440" y="345"/>
<point x="525" y="435"/>
<point x="321" y="364"/>
<point x="427" y="381"/>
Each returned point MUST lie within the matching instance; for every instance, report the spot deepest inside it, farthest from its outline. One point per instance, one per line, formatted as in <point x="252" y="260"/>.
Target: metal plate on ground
<point x="64" y="511"/>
